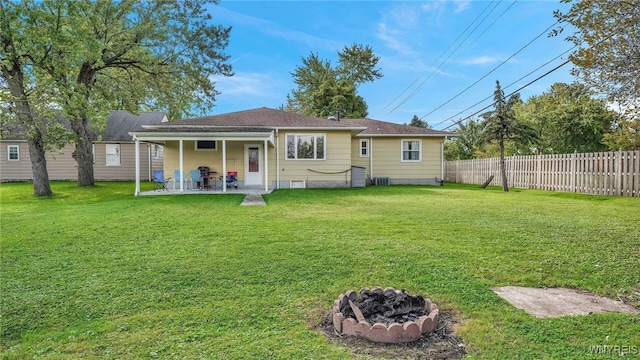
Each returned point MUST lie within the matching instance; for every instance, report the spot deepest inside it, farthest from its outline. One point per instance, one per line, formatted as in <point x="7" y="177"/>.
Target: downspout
<point x="371" y="158"/>
<point x="277" y="160"/>
<point x="442" y="159"/>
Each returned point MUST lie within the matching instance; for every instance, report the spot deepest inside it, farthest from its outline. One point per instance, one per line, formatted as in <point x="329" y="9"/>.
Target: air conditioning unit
<point x="381" y="181"/>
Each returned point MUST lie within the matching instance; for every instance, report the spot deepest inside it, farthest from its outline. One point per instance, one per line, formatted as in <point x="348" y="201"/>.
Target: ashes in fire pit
<point x="387" y="316"/>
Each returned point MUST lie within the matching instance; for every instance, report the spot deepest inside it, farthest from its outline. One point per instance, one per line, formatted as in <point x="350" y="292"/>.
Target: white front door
<point x="253" y="164"/>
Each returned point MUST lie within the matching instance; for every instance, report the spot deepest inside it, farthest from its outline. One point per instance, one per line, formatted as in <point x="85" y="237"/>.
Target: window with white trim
<point x="306" y="146"/>
<point x="112" y="152"/>
<point x="156" y="151"/>
<point x="206" y="145"/>
<point x="411" y="150"/>
<point x="364" y="148"/>
<point x="13" y="152"/>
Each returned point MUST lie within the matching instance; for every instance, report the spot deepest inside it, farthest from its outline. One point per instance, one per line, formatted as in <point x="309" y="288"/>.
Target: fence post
<point x="619" y="172"/>
<point x="538" y="171"/>
<point x="572" y="186"/>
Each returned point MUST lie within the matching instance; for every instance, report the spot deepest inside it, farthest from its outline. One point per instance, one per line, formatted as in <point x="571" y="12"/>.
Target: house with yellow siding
<point x="272" y="149"/>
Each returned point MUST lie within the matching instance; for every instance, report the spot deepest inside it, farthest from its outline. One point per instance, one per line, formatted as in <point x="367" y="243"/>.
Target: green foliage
<point x="86" y="58"/>
<point x="325" y="91"/>
<point x="467" y="144"/>
<point x="624" y="136"/>
<point x="566" y="119"/>
<point x="97" y="273"/>
<point x="607" y="34"/>
<point x="501" y="126"/>
<point x="417" y="122"/>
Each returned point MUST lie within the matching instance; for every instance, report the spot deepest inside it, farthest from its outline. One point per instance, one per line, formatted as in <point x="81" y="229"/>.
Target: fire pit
<point x="384" y="316"/>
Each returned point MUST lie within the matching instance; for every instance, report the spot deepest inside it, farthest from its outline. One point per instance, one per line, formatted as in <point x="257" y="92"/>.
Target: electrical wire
<point x="506" y="87"/>
<point x="522" y="87"/>
<point x="490" y="72"/>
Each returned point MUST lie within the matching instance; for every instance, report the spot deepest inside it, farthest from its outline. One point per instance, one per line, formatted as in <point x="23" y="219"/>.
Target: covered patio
<point x="219" y="148"/>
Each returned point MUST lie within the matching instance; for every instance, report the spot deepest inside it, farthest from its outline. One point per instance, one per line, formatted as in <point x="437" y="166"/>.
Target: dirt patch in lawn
<point x="554" y="302"/>
<point x="442" y="343"/>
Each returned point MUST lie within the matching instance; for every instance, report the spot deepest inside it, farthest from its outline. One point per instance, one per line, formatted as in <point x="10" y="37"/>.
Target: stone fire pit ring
<point x="393" y="333"/>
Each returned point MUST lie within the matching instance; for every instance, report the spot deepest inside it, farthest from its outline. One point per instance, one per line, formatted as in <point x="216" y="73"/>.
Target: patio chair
<point x="177" y="179"/>
<point x="232" y="179"/>
<point x="194" y="177"/>
<point x="159" y="183"/>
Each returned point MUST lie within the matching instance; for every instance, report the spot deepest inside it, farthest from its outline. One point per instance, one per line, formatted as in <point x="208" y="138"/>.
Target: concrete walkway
<point x="253" y="200"/>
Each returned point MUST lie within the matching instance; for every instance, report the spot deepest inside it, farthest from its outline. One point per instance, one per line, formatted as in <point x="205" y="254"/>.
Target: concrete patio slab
<point x="555" y="302"/>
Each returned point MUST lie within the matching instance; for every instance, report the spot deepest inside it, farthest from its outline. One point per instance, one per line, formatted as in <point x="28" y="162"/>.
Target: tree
<point x="624" y="136"/>
<point x="501" y="125"/>
<point x="567" y="118"/>
<point x="608" y="56"/>
<point x="467" y="144"/>
<point x="417" y="122"/>
<point x="324" y="91"/>
<point x="23" y="115"/>
<point x="129" y="55"/>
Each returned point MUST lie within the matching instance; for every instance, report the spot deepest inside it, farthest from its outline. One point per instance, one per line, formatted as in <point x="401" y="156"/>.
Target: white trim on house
<point x="16" y="152"/>
<point x="403" y="150"/>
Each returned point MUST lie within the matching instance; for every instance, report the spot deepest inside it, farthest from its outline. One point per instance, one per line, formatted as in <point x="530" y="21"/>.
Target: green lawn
<point x="98" y="273"/>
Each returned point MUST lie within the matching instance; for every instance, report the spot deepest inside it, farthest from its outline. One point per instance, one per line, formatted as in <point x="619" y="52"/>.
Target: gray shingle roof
<point x="265" y="118"/>
<point x="383" y="128"/>
<point x="120" y="123"/>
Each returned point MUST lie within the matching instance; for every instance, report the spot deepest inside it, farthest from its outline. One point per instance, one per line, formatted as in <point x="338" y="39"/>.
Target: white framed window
<point x="112" y="152"/>
<point x="206" y="145"/>
<point x="306" y="146"/>
<point x="364" y="148"/>
<point x="411" y="151"/>
<point x="13" y="152"/>
<point x="156" y="151"/>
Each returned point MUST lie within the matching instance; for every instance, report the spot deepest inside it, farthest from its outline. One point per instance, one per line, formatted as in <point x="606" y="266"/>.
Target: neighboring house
<point x="113" y="151"/>
<point x="273" y="149"/>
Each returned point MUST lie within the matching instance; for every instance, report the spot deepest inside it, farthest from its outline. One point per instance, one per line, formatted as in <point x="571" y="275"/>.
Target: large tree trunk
<point x="41" y="186"/>
<point x="84" y="151"/>
<point x="26" y="120"/>
<point x="503" y="170"/>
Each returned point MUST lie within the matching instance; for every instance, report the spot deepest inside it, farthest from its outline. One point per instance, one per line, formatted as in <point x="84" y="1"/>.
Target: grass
<point x="98" y="273"/>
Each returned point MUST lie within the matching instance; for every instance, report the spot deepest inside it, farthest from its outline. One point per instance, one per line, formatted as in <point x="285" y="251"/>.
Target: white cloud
<point x="244" y="84"/>
<point x="461" y="5"/>
<point x="480" y="60"/>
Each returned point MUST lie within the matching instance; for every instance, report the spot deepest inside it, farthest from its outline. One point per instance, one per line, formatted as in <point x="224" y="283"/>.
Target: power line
<point x="490" y="72"/>
<point x="522" y="87"/>
<point x="439" y="57"/>
<point x="506" y="87"/>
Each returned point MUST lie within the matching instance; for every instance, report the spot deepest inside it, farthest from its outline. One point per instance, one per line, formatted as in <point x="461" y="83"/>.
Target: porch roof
<point x="161" y="134"/>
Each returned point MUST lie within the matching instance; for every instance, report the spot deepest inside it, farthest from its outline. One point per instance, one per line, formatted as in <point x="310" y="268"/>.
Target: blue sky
<point x="439" y="58"/>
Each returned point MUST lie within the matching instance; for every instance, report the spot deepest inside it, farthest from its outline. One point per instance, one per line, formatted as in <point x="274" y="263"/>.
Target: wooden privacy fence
<point x="608" y="173"/>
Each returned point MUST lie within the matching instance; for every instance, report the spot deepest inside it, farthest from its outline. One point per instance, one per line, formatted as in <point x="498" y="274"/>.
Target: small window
<point x="364" y="148"/>
<point x="206" y="145"/>
<point x="13" y="153"/>
<point x="112" y="152"/>
<point x="411" y="150"/>
<point x="156" y="152"/>
<point x="305" y="147"/>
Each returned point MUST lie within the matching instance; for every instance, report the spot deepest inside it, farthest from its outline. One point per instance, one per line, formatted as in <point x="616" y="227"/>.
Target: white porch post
<point x="224" y="165"/>
<point x="266" y="167"/>
<point x="137" y="191"/>
<point x="181" y="171"/>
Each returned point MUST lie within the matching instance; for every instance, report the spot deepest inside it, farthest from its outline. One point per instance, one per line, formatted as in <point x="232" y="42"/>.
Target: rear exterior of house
<point x="273" y="149"/>
<point x="114" y="153"/>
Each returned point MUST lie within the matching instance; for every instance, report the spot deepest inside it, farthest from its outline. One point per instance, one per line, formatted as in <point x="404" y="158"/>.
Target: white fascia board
<point x="312" y="128"/>
<point x="239" y="136"/>
<point x="403" y="135"/>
